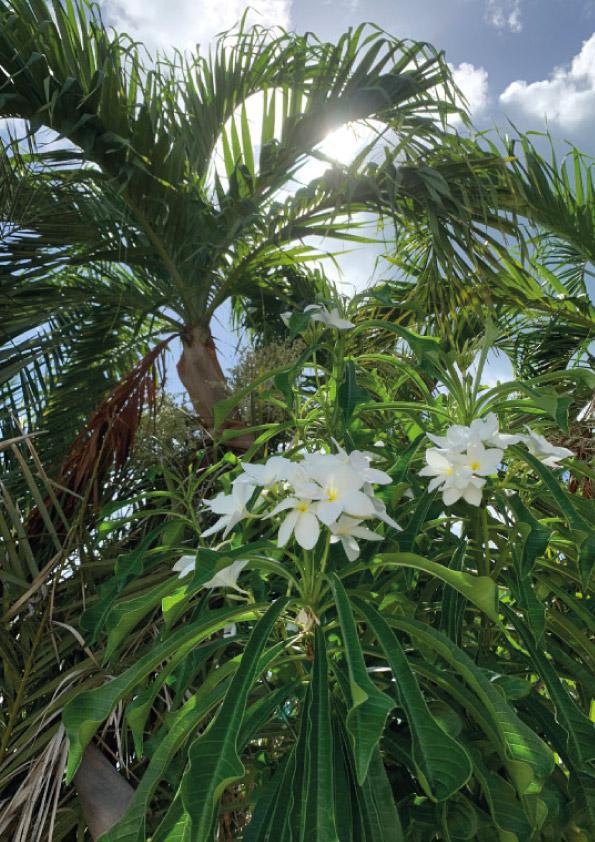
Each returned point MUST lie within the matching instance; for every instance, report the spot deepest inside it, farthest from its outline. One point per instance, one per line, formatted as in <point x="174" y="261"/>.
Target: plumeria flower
<point x="273" y="471"/>
<point x="454" y="480"/>
<point x="467" y="487"/>
<point x="185" y="565"/>
<point x="301" y="521"/>
<point x="330" y="318"/>
<point x="460" y="437"/>
<point x="228" y="576"/>
<point x="360" y="461"/>
<point x="339" y="490"/>
<point x="480" y="460"/>
<point x="225" y="578"/>
<point x="346" y="530"/>
<point x="231" y="507"/>
<point x="440" y="467"/>
<point x="548" y="453"/>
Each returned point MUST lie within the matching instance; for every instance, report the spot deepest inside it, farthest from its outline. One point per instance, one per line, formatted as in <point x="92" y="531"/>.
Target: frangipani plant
<point x="351" y="656"/>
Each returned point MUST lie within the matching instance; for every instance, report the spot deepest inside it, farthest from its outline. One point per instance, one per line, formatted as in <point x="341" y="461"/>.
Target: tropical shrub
<point x="376" y="625"/>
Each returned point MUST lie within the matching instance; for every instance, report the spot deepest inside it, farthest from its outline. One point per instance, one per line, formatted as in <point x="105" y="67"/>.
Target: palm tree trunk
<point x="201" y="373"/>
<point x="104" y="794"/>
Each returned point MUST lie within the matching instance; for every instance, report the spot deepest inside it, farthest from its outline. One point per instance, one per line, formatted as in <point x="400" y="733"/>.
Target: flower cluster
<point x="466" y="455"/>
<point x="319" y="313"/>
<point x="320" y="490"/>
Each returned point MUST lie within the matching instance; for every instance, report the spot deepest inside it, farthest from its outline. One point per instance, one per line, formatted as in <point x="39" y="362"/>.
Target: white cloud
<point x="183" y="23"/>
<point x="504" y="14"/>
<point x="566" y="100"/>
<point x="473" y="83"/>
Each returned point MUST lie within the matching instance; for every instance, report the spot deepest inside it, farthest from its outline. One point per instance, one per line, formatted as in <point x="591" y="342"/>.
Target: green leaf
<point x="555" y="405"/>
<point x="140" y="707"/>
<point x="482" y="591"/>
<point x="562" y="498"/>
<point x="443" y="764"/>
<point x="535" y="536"/>
<point x="213" y="759"/>
<point x="368" y="706"/>
<point x="125" y="615"/>
<point x="84" y="714"/>
<point x="528" y="759"/>
<point x="319" y="815"/>
<point x="505" y="809"/>
<point x="131" y="827"/>
<point x="178" y="729"/>
<point x="580" y="735"/>
<point x="377" y="804"/>
<point x="427" y="349"/>
<point x="350" y="393"/>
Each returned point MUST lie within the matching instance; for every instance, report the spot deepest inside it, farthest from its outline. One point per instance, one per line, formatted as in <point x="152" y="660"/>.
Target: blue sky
<point x="517" y="59"/>
<point x="523" y="60"/>
<point x="529" y="61"/>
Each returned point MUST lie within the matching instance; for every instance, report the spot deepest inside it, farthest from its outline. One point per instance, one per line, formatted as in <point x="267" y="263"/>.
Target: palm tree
<point x="159" y="200"/>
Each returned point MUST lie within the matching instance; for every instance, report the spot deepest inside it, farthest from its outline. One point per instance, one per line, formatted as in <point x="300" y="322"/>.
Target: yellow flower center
<point x="302" y="507"/>
<point x="332" y="494"/>
<point x="450" y="471"/>
<point x="475" y="466"/>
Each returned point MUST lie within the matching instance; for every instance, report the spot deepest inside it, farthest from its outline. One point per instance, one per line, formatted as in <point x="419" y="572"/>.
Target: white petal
<point x="450" y="495"/>
<point x="328" y="511"/>
<point x="254" y="472"/>
<point x="221" y="523"/>
<point x="351" y="547"/>
<point x="222" y="504"/>
<point x="242" y="492"/>
<point x="378" y="477"/>
<point x="358" y="504"/>
<point x="437" y="459"/>
<point x="286" y="528"/>
<point x="365" y="533"/>
<point x="288" y="503"/>
<point x="307" y="530"/>
<point x="233" y="519"/>
<point x="185" y="565"/>
<point x="441" y="441"/>
<point x="472" y="495"/>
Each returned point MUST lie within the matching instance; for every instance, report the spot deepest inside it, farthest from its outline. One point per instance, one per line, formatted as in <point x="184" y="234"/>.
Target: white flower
<point x="229" y="630"/>
<point x="301" y="521"/>
<point x="330" y="319"/>
<point x="479" y="460"/>
<point x="346" y="530"/>
<point x="454" y="480"/>
<point x="467" y="487"/>
<point x="228" y="576"/>
<point x="231" y="507"/>
<point x="225" y="578"/>
<point x="548" y="453"/>
<point x="274" y="470"/>
<point x="339" y="489"/>
<point x="460" y="437"/>
<point x="380" y="507"/>
<point x="359" y="461"/>
<point x="185" y="565"/>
